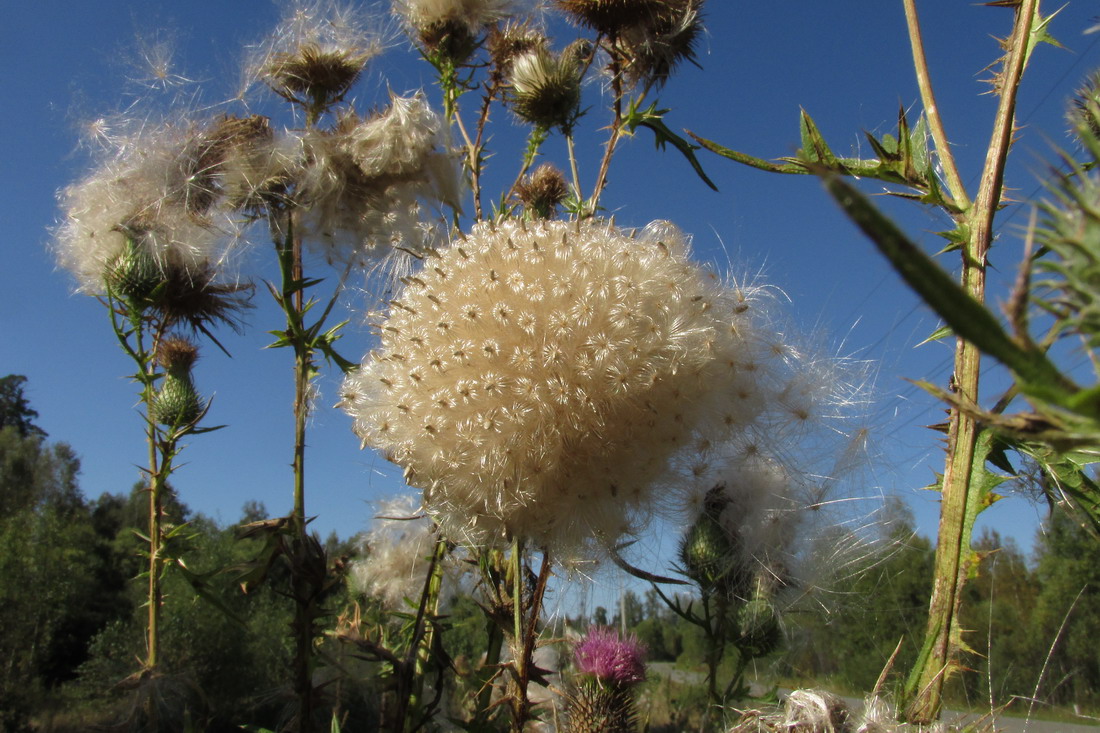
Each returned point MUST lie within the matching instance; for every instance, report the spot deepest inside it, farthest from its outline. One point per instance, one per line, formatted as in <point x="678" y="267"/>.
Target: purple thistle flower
<point x="603" y="654"/>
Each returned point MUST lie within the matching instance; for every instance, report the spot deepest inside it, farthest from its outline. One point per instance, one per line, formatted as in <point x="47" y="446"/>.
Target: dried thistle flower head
<point x="176" y="402"/>
<point x="316" y="54"/>
<point x="609" y="17"/>
<point x="542" y="191"/>
<point x="545" y="89"/>
<point x="506" y="43"/>
<point x="451" y="29"/>
<point x="547" y="380"/>
<point x="652" y="49"/>
<point x="177" y="354"/>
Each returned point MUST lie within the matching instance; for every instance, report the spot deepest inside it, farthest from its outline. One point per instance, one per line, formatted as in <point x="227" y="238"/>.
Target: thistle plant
<point x="142" y="234"/>
<point x="1059" y="433"/>
<point x="608" y="668"/>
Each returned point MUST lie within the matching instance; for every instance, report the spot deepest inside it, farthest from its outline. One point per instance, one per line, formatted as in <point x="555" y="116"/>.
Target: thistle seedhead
<point x="207" y="156"/>
<point x="542" y="191"/>
<point x="364" y="186"/>
<point x="451" y="30"/>
<point x="315" y="55"/>
<point x="544" y="380"/>
<point x="157" y="189"/>
<point x="545" y="89"/>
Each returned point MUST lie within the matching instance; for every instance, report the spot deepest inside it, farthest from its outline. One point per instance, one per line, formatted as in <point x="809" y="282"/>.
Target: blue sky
<point x="846" y="63"/>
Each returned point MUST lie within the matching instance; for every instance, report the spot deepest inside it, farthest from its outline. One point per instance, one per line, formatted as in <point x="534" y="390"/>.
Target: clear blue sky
<point x="847" y="63"/>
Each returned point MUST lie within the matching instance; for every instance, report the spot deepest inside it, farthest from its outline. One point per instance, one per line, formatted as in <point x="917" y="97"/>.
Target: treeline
<point x="72" y="625"/>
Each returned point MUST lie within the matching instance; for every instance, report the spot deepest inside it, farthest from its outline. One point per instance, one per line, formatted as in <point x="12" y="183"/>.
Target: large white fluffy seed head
<point x="548" y="381"/>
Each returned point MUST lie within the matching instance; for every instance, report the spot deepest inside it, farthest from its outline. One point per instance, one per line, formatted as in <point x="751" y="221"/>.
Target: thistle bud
<point x="134" y="273"/>
<point x="759" y="632"/>
<point x="546" y="89"/>
<point x="176" y="402"/>
<point x="542" y="191"/>
<point x="1084" y="113"/>
<point x="709" y="551"/>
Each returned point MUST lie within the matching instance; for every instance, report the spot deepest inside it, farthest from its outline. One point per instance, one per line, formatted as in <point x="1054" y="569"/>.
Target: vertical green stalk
<point x="943" y="636"/>
<point x="418" y="660"/>
<point x="289" y="249"/>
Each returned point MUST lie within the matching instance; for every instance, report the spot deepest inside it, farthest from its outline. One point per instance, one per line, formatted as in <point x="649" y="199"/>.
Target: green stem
<point x="419" y="657"/>
<point x="931" y="110"/>
<point x="944" y="635"/>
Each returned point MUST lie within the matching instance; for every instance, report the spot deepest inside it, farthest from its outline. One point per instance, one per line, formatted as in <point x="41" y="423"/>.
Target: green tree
<point x="55" y="593"/>
<point x="887" y="603"/>
<point x="1067" y="612"/>
<point x="999" y="605"/>
<point x="14" y="408"/>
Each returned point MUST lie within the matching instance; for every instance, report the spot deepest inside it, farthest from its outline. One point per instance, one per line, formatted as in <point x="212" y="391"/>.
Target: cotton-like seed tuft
<point x="568" y="423"/>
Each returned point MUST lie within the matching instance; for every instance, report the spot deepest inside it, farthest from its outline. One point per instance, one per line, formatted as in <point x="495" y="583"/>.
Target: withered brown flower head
<point x="542" y="191"/>
<point x="611" y="16"/>
<point x="651" y="50"/>
<point x="204" y="160"/>
<point x="505" y="44"/>
<point x="314" y="77"/>
<point x="177" y="354"/>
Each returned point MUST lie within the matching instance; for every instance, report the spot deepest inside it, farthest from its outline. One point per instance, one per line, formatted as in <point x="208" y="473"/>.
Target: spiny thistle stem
<point x="418" y="657"/>
<point x="573" y="166"/>
<point x="291" y="299"/>
<point x="613" y="138"/>
<point x="944" y="631"/>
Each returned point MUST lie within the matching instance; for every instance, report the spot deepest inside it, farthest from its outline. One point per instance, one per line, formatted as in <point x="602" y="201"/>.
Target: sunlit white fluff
<point x="549" y="381"/>
<point x="144" y="182"/>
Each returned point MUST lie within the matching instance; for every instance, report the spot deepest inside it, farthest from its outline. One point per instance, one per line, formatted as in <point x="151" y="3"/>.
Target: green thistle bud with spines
<point x="759" y="633"/>
<point x="177" y="403"/>
<point x="709" y="552"/>
<point x="134" y="273"/>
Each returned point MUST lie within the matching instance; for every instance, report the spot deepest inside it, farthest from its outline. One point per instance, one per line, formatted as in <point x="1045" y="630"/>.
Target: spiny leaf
<point x="968" y="318"/>
<point x="653" y="118"/>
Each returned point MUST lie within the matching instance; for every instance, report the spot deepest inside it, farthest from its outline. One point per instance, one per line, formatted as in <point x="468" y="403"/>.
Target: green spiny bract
<point x="1069" y="276"/>
<point x="759" y="633"/>
<point x="134" y="274"/>
<point x="176" y="403"/>
<point x="595" y="707"/>
<point x="709" y="552"/>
